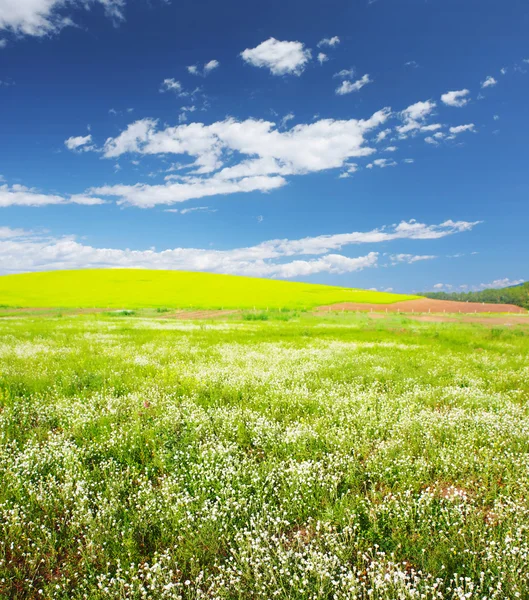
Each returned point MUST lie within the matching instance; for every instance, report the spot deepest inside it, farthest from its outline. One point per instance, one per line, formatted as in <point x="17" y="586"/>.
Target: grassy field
<point x="136" y="288"/>
<point x="331" y="457"/>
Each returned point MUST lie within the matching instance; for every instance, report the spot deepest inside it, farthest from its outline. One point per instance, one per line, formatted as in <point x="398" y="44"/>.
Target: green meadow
<point x="137" y="288"/>
<point x="331" y="457"/>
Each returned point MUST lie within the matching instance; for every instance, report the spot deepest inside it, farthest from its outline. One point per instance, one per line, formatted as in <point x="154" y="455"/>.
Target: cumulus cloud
<point x="322" y="57"/>
<point x="414" y="118"/>
<point x="47" y="17"/>
<point x="74" y="143"/>
<point x="349" y="86"/>
<point x="489" y="82"/>
<point x="25" y="251"/>
<point x="19" y="195"/>
<point x="458" y="98"/>
<point x="331" y="42"/>
<point x="281" y="58"/>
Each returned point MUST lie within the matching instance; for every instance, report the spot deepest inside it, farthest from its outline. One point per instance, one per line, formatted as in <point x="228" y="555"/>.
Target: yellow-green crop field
<point x="331" y="457"/>
<point x="136" y="288"/>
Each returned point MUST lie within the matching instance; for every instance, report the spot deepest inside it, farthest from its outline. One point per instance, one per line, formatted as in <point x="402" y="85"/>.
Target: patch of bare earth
<point x="426" y="305"/>
<point x="429" y="310"/>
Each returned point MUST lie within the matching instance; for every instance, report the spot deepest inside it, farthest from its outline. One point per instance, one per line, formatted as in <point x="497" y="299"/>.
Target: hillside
<point x="138" y="288"/>
<point x="517" y="295"/>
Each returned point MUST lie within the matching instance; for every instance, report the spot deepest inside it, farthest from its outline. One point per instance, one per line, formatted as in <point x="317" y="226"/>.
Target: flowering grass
<point x="140" y="288"/>
<point x="335" y="457"/>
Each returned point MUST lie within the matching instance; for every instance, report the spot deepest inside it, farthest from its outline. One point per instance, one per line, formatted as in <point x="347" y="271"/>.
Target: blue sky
<point x="367" y="144"/>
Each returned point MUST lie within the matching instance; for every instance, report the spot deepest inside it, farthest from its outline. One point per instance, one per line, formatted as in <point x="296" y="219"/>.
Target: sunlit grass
<point x="323" y="457"/>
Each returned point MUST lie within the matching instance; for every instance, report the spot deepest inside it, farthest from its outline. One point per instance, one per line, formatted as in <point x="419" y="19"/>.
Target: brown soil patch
<point x="426" y="305"/>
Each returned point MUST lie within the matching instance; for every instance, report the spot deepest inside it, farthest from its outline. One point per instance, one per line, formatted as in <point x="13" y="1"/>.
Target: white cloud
<point x="74" y="143"/>
<point x="46" y="17"/>
<point x="496" y="284"/>
<point x="351" y="168"/>
<point x="171" y="85"/>
<point x="25" y="251"/>
<point x="333" y="41"/>
<point x="414" y="117"/>
<point x="503" y="71"/>
<point x="184" y="110"/>
<point x="432" y="127"/>
<point x="148" y="196"/>
<point x="489" y="82"/>
<point x="431" y="140"/>
<point x="9" y="233"/>
<point x="281" y="58"/>
<point x="345" y="73"/>
<point x="410" y="258"/>
<point x="66" y="253"/>
<point x="501" y="283"/>
<point x="496" y="117"/>
<point x="418" y="111"/>
<point x="267" y="153"/>
<point x="462" y="128"/>
<point x="322" y="57"/>
<point x="382" y="135"/>
<point x="348" y="86"/>
<point x="206" y="70"/>
<point x="286" y="119"/>
<point x="19" y="195"/>
<point x="409" y="161"/>
<point x="391" y="149"/>
<point x="3" y="44"/>
<point x="457" y="98"/>
<point x="382" y="163"/>
<point x="186" y="211"/>
<point x="412" y="63"/>
<point x="211" y="65"/>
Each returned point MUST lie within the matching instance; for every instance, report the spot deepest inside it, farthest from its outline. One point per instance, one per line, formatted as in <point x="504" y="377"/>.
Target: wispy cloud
<point x="27" y="251"/>
<point x="348" y="87"/>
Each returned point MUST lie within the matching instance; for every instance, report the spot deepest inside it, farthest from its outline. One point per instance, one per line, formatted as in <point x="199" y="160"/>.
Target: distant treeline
<point x="518" y="295"/>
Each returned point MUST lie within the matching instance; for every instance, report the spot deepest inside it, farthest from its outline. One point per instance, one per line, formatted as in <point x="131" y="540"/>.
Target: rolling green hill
<point x="138" y="288"/>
